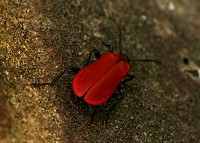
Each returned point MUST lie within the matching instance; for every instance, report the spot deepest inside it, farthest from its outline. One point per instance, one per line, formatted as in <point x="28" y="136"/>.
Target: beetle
<point x="97" y="81"/>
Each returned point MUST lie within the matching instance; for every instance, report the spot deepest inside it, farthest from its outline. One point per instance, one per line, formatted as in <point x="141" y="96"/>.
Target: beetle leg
<point x="119" y="96"/>
<point x="108" y="46"/>
<point x="107" y="113"/>
<point x="96" y="53"/>
<point x="104" y="113"/>
<point x="55" y="79"/>
<point x="128" y="77"/>
<point x="93" y="115"/>
<point x="74" y="70"/>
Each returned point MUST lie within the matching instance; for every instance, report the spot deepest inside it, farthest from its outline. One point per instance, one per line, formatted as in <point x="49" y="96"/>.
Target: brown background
<point x="39" y="38"/>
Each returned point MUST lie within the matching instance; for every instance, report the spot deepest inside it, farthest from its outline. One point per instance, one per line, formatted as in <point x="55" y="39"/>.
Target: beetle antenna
<point x="147" y="60"/>
<point x="120" y="40"/>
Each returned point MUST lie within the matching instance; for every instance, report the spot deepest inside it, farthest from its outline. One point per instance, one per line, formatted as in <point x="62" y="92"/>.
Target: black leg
<point x="107" y="113"/>
<point x="120" y="90"/>
<point x="119" y="97"/>
<point x="128" y="77"/>
<point x="108" y="46"/>
<point x="73" y="70"/>
<point x="55" y="79"/>
<point x="96" y="53"/>
<point x="93" y="115"/>
<point x="103" y="112"/>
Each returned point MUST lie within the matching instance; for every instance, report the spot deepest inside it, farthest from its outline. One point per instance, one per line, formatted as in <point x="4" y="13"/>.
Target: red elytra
<point x="98" y="81"/>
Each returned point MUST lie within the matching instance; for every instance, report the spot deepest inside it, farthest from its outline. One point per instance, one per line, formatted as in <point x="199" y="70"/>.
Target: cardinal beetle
<point x="97" y="81"/>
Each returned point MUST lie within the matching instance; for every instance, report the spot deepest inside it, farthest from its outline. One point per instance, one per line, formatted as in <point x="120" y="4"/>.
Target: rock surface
<point x="40" y="38"/>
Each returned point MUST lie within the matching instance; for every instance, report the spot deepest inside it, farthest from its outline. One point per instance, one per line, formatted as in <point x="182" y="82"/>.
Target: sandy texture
<point x="40" y="38"/>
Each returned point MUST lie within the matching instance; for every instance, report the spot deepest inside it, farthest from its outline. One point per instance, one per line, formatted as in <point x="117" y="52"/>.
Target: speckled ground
<point x="40" y="38"/>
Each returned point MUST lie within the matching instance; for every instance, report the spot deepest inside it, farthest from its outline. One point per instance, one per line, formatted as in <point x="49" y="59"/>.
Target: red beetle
<point x="97" y="81"/>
